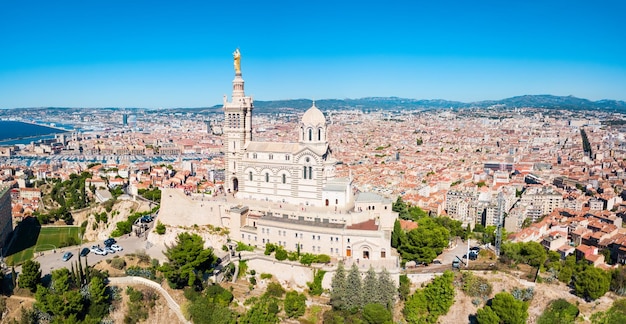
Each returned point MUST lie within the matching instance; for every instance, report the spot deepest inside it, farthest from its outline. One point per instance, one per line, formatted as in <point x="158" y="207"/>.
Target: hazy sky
<point x="110" y="53"/>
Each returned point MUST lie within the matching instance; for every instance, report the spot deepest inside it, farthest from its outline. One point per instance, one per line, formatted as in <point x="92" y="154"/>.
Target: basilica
<point x="287" y="193"/>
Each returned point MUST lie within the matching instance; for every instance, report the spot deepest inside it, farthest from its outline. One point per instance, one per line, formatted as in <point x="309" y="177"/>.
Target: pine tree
<point x="338" y="288"/>
<point x="354" y="300"/>
<point x="386" y="289"/>
<point x="370" y="288"/>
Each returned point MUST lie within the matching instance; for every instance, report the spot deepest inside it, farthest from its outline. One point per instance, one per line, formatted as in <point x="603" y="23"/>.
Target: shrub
<point x="475" y="286"/>
<point x="275" y="290"/>
<point x="134" y="295"/>
<point x="253" y="280"/>
<point x="281" y="254"/>
<point x="244" y="247"/>
<point x="308" y="258"/>
<point x="322" y="258"/>
<point x="269" y="248"/>
<point x="315" y="287"/>
<point x="266" y="276"/>
<point x="118" y="263"/>
<point x="160" y="228"/>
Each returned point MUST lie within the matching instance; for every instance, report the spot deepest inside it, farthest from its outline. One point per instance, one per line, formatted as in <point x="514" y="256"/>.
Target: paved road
<point x="51" y="260"/>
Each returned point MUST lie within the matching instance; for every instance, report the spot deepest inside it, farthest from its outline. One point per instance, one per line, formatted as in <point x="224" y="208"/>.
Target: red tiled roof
<point x="369" y="225"/>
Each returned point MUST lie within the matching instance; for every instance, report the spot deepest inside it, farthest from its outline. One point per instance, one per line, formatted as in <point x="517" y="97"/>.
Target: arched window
<point x="304" y="177"/>
<point x="267" y="177"/>
<point x="310" y="172"/>
<point x="319" y="134"/>
<point x="250" y="176"/>
<point x="284" y="178"/>
<point x="310" y="134"/>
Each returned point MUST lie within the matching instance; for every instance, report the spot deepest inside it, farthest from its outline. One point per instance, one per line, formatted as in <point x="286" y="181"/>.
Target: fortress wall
<point x="178" y="209"/>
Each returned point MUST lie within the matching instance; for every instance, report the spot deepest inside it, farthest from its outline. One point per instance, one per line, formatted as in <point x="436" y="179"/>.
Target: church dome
<point x="313" y="116"/>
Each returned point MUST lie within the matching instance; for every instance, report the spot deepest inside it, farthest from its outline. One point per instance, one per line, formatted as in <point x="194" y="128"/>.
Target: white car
<point x="100" y="252"/>
<point x="116" y="247"/>
<point x="94" y="248"/>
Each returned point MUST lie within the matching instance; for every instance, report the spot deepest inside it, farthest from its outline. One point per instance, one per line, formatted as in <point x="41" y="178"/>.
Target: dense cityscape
<point x="532" y="194"/>
<point x="312" y="162"/>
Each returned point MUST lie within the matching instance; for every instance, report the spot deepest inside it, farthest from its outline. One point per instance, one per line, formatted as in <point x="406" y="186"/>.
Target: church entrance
<point x="348" y="252"/>
<point x="235" y="184"/>
<point x="326" y="202"/>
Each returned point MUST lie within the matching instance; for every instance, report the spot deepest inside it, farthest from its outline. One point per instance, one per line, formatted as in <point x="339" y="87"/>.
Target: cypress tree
<point x="395" y="235"/>
<point x="354" y="293"/>
<point x="13" y="277"/>
<point x="338" y="288"/>
<point x="370" y="288"/>
<point x="87" y="272"/>
<point x="81" y="275"/>
<point x="386" y="289"/>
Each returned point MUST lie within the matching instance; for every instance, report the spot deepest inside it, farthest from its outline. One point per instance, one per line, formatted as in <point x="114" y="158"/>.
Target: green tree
<point x="426" y="305"/>
<point x="370" y="293"/>
<point x="592" y="283"/>
<point x="160" y="228"/>
<point x="338" y="288"/>
<point x="386" y="289"/>
<point x="186" y="258"/>
<point x="30" y="276"/>
<point x="618" y="281"/>
<point x="486" y="315"/>
<point x="354" y="293"/>
<point x="559" y="312"/>
<point x="440" y="294"/>
<point x="295" y="304"/>
<point x="401" y="208"/>
<point x="376" y="314"/>
<point x="97" y="291"/>
<point x="263" y="311"/>
<point x="424" y="243"/>
<point x="416" y="308"/>
<point x="61" y="282"/>
<point x="397" y="236"/>
<point x="404" y="289"/>
<point x="509" y="309"/>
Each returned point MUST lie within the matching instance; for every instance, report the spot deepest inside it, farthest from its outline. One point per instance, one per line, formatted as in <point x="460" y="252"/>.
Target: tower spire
<point x="238" y="81"/>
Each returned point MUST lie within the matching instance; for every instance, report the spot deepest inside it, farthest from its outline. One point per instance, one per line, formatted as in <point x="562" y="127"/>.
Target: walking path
<point x="143" y="281"/>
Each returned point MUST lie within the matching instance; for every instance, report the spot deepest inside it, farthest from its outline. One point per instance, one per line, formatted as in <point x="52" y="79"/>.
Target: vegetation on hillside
<point x="428" y="240"/>
<point x="370" y="299"/>
<point x="427" y="304"/>
<point x="187" y="261"/>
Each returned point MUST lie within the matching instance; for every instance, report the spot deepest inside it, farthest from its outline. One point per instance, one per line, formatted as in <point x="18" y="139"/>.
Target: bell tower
<point x="237" y="126"/>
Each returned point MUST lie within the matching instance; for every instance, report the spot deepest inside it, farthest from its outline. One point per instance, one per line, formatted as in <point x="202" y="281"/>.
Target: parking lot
<point x="51" y="260"/>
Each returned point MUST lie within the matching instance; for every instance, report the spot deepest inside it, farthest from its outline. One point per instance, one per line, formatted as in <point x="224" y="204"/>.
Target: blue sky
<point x="153" y="54"/>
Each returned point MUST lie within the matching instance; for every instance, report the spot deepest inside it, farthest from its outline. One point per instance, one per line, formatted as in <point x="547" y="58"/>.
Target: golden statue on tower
<point x="237" y="58"/>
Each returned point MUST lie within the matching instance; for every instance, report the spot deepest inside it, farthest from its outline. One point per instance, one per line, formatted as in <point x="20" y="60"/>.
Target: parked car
<point x="109" y="250"/>
<point x="116" y="247"/>
<point x="147" y="219"/>
<point x="84" y="252"/>
<point x="100" y="251"/>
<point x="67" y="256"/>
<point x="94" y="248"/>
<point x="110" y="241"/>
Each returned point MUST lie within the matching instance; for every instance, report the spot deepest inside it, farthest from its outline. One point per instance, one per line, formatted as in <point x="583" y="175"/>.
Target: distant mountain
<point x="395" y="103"/>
